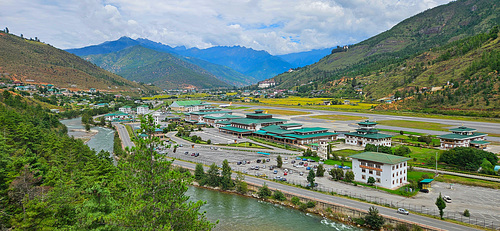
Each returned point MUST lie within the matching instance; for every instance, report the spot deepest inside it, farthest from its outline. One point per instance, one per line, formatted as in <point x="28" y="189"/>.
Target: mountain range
<point x="235" y="65"/>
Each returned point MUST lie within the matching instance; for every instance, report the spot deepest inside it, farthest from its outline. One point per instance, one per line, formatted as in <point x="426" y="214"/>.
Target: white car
<point x="403" y="211"/>
<point x="447" y="199"/>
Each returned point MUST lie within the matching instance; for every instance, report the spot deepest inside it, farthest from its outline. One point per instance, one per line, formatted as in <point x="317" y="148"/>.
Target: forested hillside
<point x="51" y="181"/>
<point x="159" y="68"/>
<point x="427" y="30"/>
<point x="23" y="59"/>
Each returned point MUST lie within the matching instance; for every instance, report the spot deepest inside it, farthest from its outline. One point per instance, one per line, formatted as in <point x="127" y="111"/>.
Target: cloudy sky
<point x="277" y="26"/>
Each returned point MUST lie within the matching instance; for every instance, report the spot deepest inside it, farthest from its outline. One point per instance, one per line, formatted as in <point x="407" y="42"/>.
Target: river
<point x="102" y="138"/>
<point x="233" y="212"/>
<point x="236" y="212"/>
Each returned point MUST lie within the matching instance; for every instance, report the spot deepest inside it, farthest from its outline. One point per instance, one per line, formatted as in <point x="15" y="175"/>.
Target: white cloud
<point x="277" y="26"/>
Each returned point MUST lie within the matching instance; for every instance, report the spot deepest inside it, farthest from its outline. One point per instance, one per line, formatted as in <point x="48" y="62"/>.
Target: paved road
<point x="459" y="174"/>
<point x="485" y="127"/>
<point x="388" y="212"/>
<point x="123" y="133"/>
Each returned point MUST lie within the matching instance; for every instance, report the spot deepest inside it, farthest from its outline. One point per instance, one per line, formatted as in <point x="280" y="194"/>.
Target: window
<point x="363" y="170"/>
<point x="377" y="173"/>
<point x="392" y="181"/>
<point x="392" y="174"/>
<point x="393" y="167"/>
<point x="371" y="172"/>
<point x="378" y="180"/>
<point x="377" y="166"/>
<point x="363" y="177"/>
<point x="404" y="164"/>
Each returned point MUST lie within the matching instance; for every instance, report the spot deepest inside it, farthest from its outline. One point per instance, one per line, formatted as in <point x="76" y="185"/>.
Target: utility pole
<point x="436" y="163"/>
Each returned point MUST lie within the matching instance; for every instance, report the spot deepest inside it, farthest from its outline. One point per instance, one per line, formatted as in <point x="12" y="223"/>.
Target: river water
<point x="102" y="140"/>
<point x="236" y="212"/>
<point x="233" y="212"/>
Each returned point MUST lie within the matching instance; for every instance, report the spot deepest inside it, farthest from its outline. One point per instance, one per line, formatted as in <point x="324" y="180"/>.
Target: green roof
<point x="462" y="129"/>
<point x="380" y="157"/>
<point x="224" y="122"/>
<point x="226" y="116"/>
<point x="188" y="102"/>
<point x="290" y="125"/>
<point x="235" y="129"/>
<point x="454" y="136"/>
<point x="426" y="181"/>
<point x="209" y="112"/>
<point x="479" y="142"/>
<point x="277" y="130"/>
<point x="311" y="135"/>
<point x="248" y="121"/>
<point x="117" y="113"/>
<point x="127" y="107"/>
<point x="367" y="122"/>
<point x="307" y="130"/>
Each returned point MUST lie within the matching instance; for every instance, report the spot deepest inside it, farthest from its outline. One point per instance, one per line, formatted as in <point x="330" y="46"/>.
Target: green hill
<point x="427" y="30"/>
<point x="37" y="62"/>
<point x="161" y="69"/>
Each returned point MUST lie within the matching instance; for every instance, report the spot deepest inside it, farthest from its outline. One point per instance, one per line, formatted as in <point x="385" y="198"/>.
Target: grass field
<point x="236" y="107"/>
<point x="346" y="152"/>
<point x="467" y="181"/>
<point x="415" y="124"/>
<point x="338" y="117"/>
<point x="303" y="101"/>
<point x="280" y="112"/>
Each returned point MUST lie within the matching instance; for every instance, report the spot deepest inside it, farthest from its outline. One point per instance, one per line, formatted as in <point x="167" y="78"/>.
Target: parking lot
<point x="481" y="202"/>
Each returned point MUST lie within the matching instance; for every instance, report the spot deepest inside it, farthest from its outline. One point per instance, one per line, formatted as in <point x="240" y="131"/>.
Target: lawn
<point x="338" y="117"/>
<point x="287" y="147"/>
<point x="422" y="154"/>
<point x="236" y="107"/>
<point x="346" y="152"/>
<point x="317" y="102"/>
<point x="467" y="181"/>
<point x="328" y="162"/>
<point x="415" y="124"/>
<point x="280" y="112"/>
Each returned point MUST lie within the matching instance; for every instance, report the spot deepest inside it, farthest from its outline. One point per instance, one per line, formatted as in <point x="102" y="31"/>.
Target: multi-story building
<point x="294" y="134"/>
<point x="463" y="137"/>
<point x="252" y="122"/>
<point x="126" y="109"/>
<point x="188" y="105"/>
<point x="367" y="134"/>
<point x="389" y="171"/>
<point x="142" y="110"/>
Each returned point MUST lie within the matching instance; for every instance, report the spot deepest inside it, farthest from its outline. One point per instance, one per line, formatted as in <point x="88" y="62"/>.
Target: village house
<point x="142" y="110"/>
<point x="389" y="171"/>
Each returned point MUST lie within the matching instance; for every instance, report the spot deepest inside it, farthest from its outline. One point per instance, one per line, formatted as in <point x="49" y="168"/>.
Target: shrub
<point x="466" y="213"/>
<point x="302" y="207"/>
<point x="311" y="204"/>
<point x="295" y="200"/>
<point x="264" y="192"/>
<point x="278" y="195"/>
<point x="371" y="180"/>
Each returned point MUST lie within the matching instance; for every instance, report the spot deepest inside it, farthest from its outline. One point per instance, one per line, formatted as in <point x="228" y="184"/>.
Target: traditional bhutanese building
<point x="367" y="134"/>
<point x="463" y="137"/>
<point x="294" y="134"/>
<point x="198" y="117"/>
<point x="188" y="105"/>
<point x="389" y="171"/>
<point x="117" y="116"/>
<point x="253" y="122"/>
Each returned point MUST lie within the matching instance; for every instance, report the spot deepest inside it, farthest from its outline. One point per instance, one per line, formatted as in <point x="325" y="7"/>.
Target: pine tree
<point x="156" y="197"/>
<point x="441" y="205"/>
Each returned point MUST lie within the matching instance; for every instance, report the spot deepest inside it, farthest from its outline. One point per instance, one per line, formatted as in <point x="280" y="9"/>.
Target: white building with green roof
<point x="389" y="171"/>
<point x="295" y="134"/>
<point x="253" y="122"/>
<point x="463" y="137"/>
<point x="142" y="110"/>
<point x="367" y="134"/>
<point x="188" y="105"/>
<point x="126" y="109"/>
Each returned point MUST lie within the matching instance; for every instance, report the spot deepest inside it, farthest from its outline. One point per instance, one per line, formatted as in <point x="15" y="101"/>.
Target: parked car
<point x="258" y="161"/>
<point x="286" y="157"/>
<point x="197" y="154"/>
<point x="277" y="177"/>
<point x="238" y="163"/>
<point x="309" y="184"/>
<point x="293" y="161"/>
<point x="403" y="211"/>
<point x="285" y="173"/>
<point x="305" y="164"/>
<point x="301" y="173"/>
<point x="305" y="159"/>
<point x="308" y="168"/>
<point x="447" y="199"/>
<point x="283" y="179"/>
<point x="347" y="167"/>
<point x="298" y="158"/>
<point x="424" y="190"/>
<point x="268" y="160"/>
<point x="275" y="172"/>
<point x="193" y="154"/>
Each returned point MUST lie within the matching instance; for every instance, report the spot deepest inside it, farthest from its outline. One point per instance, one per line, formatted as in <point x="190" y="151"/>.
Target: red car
<point x="305" y="164"/>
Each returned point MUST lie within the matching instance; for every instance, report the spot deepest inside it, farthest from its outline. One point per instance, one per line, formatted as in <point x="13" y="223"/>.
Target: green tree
<point x="226" y="180"/>
<point x="349" y="176"/>
<point x="199" y="173"/>
<point x="209" y="141"/>
<point x="373" y="219"/>
<point x="310" y="178"/>
<point x="278" y="195"/>
<point x="241" y="185"/>
<point x="295" y="200"/>
<point x="320" y="171"/>
<point x="87" y="127"/>
<point x="336" y="173"/>
<point x="264" y="192"/>
<point x="371" y="180"/>
<point x="441" y="205"/>
<point x="280" y="161"/>
<point x="102" y="122"/>
<point x="156" y="191"/>
<point x="402" y="151"/>
<point x="213" y="176"/>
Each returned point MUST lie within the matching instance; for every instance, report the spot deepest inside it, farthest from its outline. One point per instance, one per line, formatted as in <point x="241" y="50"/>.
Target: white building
<point x="159" y="116"/>
<point x="367" y="134"/>
<point x="389" y="171"/>
<point x="126" y="109"/>
<point x="267" y="83"/>
<point x="142" y="110"/>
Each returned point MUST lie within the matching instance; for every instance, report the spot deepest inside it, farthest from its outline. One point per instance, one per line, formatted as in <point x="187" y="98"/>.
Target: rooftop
<point x="462" y="129"/>
<point x="367" y="122"/>
<point x="380" y="157"/>
<point x="454" y="136"/>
